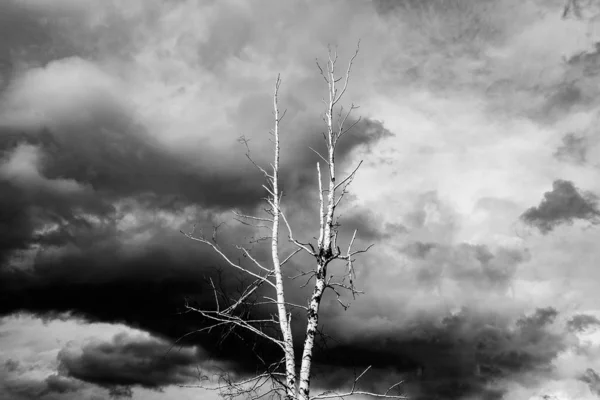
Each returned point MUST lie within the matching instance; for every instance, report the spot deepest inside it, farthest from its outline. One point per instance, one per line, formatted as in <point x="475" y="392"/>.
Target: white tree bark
<point x="288" y="383"/>
<point x="284" y="317"/>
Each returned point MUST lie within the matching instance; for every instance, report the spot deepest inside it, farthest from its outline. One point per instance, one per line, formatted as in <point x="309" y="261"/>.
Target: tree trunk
<point x="284" y="319"/>
<point x="311" y="331"/>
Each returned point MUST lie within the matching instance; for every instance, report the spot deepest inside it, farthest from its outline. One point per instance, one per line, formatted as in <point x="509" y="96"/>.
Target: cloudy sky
<point x="119" y="126"/>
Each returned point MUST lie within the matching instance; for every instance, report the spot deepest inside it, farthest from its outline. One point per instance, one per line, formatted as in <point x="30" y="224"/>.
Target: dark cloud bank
<point x="131" y="361"/>
<point x="67" y="186"/>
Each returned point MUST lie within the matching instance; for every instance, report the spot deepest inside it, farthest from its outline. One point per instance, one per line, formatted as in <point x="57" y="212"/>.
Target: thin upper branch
<point x="288" y="258"/>
<point x="347" y="78"/>
<point x="320" y="156"/>
<point x="345" y="183"/>
<point x="242" y="139"/>
<point x="254" y="260"/>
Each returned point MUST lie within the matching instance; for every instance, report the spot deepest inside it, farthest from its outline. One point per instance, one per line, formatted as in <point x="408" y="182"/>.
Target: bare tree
<point x="285" y="378"/>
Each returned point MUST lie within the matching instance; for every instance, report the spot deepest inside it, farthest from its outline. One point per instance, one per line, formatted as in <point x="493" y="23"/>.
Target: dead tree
<point x="285" y="378"/>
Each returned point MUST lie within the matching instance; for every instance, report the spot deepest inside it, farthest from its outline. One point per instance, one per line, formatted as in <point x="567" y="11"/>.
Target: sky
<point x="120" y="124"/>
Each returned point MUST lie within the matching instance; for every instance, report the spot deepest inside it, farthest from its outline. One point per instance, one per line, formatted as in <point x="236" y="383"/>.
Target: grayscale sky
<point x="119" y="126"/>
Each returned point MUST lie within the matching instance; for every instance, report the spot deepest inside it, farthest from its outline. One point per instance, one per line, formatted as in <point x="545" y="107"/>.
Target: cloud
<point x="119" y="126"/>
<point x="33" y="346"/>
<point x="128" y="361"/>
<point x="581" y="322"/>
<point x="467" y="264"/>
<point x="468" y="353"/>
<point x="593" y="380"/>
<point x="574" y="149"/>
<point x="105" y="159"/>
<point x="564" y="204"/>
<point x="61" y="384"/>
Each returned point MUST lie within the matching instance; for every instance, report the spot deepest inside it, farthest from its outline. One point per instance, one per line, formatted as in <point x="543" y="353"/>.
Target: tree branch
<point x="335" y="395"/>
<point x="224" y="257"/>
<point x="222" y="319"/>
<point x="303" y="246"/>
<point x="336" y="99"/>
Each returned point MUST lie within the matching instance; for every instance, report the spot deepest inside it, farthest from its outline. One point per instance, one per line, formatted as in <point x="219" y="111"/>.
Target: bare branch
<point x="215" y="292"/>
<point x="345" y="183"/>
<point x="319" y="154"/>
<point x="244" y="216"/>
<point x="339" y="300"/>
<point x="214" y="234"/>
<point x="252" y="225"/>
<point x="350" y="288"/>
<point x="347" y="78"/>
<point x="290" y="256"/>
<point x="321" y="71"/>
<point x="222" y="318"/>
<point x="301" y="274"/>
<point x="247" y="293"/>
<point x="304" y="246"/>
<point x="341" y="130"/>
<point x="254" y="260"/>
<point x="268" y="190"/>
<point x="335" y="395"/>
<point x="273" y="301"/>
<point x="242" y="139"/>
<point x="225" y="257"/>
<point x="361" y="251"/>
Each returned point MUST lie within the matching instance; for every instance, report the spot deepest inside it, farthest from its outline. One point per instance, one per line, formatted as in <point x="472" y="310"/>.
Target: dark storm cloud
<point x="117" y="392"/>
<point x="573" y="149"/>
<point x="61" y="384"/>
<point x="465" y="354"/>
<point x="369" y="227"/>
<point x="93" y="142"/>
<point x="131" y="361"/>
<point x="18" y="383"/>
<point x="143" y="285"/>
<point x="146" y="289"/>
<point x="100" y="276"/>
<point x="105" y="170"/>
<point x="27" y="207"/>
<point x="11" y="365"/>
<point x="116" y="159"/>
<point x="69" y="181"/>
<point x="564" y="204"/>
